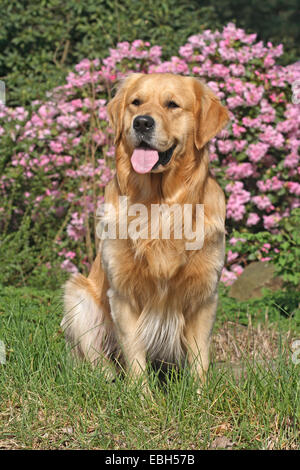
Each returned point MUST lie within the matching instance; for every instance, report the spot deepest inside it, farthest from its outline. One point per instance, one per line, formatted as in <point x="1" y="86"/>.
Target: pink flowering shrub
<point x="57" y="156"/>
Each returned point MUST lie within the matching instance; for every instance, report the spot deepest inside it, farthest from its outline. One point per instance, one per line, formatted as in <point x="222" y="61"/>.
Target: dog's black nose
<point x="143" y="123"/>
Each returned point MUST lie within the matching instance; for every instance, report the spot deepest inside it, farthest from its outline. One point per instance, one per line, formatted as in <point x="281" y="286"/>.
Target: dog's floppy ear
<point x="115" y="108"/>
<point x="210" y="115"/>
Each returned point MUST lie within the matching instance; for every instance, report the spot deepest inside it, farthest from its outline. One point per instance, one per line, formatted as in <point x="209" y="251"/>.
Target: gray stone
<point x="255" y="276"/>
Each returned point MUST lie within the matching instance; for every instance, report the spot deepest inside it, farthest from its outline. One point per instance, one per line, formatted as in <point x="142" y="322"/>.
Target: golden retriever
<point x="151" y="298"/>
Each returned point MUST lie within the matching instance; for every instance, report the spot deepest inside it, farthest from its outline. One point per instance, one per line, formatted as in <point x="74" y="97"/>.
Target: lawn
<point x="250" y="401"/>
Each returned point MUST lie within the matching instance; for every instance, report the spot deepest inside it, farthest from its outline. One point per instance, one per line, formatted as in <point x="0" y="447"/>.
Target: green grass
<point x="46" y="403"/>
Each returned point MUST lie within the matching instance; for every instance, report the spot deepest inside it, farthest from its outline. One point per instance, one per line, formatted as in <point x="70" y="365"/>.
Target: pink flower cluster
<point x="63" y="148"/>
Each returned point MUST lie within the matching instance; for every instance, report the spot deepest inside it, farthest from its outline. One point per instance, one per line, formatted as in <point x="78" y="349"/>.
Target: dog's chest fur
<point x="158" y="270"/>
<point x="163" y="291"/>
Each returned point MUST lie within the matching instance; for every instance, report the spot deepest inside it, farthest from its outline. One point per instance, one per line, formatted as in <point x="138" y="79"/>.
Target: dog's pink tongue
<point x="143" y="160"/>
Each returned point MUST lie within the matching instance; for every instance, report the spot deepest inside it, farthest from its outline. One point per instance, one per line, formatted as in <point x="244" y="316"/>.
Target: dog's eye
<point x="136" y="102"/>
<point x="172" y="104"/>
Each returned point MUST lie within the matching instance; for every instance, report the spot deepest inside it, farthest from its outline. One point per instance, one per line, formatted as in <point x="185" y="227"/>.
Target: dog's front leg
<point x="198" y="336"/>
<point x="125" y="319"/>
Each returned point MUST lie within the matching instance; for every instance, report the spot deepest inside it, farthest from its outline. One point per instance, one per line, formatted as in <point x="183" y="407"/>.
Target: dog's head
<point x="159" y="117"/>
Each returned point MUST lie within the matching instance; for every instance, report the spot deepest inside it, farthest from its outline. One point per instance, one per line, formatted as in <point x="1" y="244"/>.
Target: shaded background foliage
<point x="41" y="39"/>
<point x="273" y="20"/>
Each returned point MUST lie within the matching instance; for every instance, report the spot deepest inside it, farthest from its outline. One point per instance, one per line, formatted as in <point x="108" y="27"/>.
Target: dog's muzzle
<point x="164" y="157"/>
<point x="146" y="157"/>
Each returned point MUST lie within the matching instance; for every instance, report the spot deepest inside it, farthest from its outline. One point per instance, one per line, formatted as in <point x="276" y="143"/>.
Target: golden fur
<point x="152" y="298"/>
